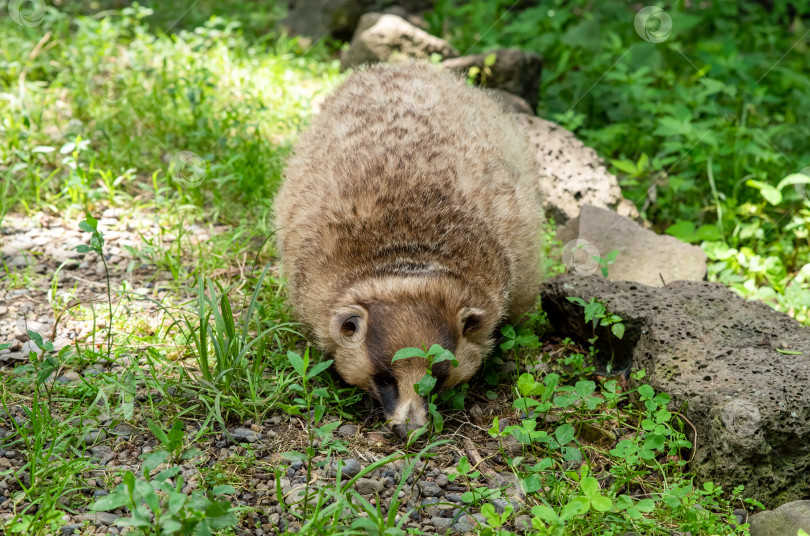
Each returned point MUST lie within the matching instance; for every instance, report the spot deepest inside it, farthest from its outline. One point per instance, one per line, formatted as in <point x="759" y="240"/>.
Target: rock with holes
<point x="738" y="369"/>
<point x="388" y="37"/>
<point x="571" y="174"/>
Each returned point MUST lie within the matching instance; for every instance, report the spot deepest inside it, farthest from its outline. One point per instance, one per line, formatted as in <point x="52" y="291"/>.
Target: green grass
<point x="183" y="116"/>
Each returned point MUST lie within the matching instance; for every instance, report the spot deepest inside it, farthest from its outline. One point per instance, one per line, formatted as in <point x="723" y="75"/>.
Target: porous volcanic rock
<point x="738" y="369"/>
<point x="572" y="175"/>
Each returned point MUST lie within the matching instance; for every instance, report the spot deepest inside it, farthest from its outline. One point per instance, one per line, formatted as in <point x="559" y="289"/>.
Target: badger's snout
<point x="409" y="415"/>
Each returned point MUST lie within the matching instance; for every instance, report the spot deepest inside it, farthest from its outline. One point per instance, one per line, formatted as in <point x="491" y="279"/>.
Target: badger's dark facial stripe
<point x="392" y="327"/>
<point x="385" y="386"/>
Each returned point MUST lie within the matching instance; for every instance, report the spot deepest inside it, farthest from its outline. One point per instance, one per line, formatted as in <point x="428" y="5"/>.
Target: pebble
<point x="441" y="480"/>
<point x="429" y="489"/>
<point x="467" y="523"/>
<point x="351" y="467"/>
<point x="245" y="434"/>
<point x="67" y="530"/>
<point x="94" y="435"/>
<point x="441" y="523"/>
<point x="68" y="377"/>
<point x="367" y="486"/>
<point x="376" y="437"/>
<point x="347" y="430"/>
<point x="454" y="497"/>
<point x="523" y="522"/>
<point x="105" y="518"/>
<point x="429" y="509"/>
<point x="500" y="504"/>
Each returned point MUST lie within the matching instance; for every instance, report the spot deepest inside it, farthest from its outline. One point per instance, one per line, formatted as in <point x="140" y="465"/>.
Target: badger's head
<point x="376" y="320"/>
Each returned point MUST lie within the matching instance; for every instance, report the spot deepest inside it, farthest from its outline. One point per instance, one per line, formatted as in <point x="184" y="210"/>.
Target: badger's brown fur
<point x="409" y="216"/>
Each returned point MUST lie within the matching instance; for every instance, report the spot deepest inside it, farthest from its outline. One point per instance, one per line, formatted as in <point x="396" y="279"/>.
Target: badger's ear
<point x="348" y="326"/>
<point x="471" y="320"/>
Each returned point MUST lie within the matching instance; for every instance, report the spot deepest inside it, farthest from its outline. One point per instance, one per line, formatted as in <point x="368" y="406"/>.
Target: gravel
<point x="429" y="489"/>
<point x="367" y="486"/>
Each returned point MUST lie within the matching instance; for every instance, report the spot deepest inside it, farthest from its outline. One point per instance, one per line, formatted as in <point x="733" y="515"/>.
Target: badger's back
<point x="407" y="171"/>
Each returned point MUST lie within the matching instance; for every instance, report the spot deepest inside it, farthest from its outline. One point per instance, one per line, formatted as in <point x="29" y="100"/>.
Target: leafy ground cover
<point x="182" y="397"/>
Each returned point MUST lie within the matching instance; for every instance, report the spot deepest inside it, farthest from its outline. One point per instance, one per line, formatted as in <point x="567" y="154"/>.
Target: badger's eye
<point x="349" y="326"/>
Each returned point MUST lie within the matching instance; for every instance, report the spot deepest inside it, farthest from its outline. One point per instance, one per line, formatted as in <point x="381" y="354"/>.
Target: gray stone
<point x="429" y="506"/>
<point x="347" y="430"/>
<point x="720" y="357"/>
<point x="501" y="504"/>
<point x="98" y="518"/>
<point x="514" y="71"/>
<point x="94" y="436"/>
<point x="351" y="467"/>
<point x="642" y="255"/>
<point x="245" y="434"/>
<point x="429" y="489"/>
<point x="296" y="495"/>
<point x="523" y="522"/>
<point x="368" y="486"/>
<point x="441" y="523"/>
<point x="782" y="521"/>
<point x="68" y="377"/>
<point x="387" y="37"/>
<point x="468" y="523"/>
<point x="571" y="174"/>
<point x="441" y="480"/>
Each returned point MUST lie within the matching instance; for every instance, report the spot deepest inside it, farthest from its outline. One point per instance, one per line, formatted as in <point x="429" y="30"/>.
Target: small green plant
<point x="90" y="225"/>
<point x="159" y="507"/>
<point x="424" y="388"/>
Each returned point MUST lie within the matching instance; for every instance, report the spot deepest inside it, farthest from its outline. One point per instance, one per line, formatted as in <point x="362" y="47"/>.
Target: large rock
<point x="388" y="37"/>
<point x="515" y="71"/>
<point x="642" y="255"/>
<point x="571" y="174"/>
<point x="738" y="369"/>
<point x="785" y="520"/>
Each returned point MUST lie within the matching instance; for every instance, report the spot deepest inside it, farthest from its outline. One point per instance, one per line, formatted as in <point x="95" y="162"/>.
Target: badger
<point x="409" y="215"/>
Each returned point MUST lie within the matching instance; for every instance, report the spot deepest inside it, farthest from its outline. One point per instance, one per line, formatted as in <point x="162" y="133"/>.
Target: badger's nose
<point x="404" y="430"/>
